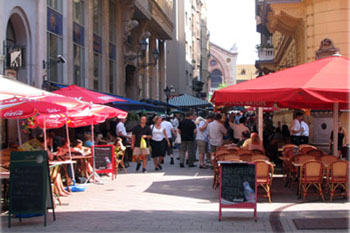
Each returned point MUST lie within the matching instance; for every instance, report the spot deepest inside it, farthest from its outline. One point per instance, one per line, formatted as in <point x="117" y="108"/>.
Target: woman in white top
<point x="159" y="138"/>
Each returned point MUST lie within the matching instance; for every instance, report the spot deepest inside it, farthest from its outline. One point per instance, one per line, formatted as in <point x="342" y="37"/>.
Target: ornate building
<point x="115" y="46"/>
<point x="245" y="72"/>
<point x="222" y="66"/>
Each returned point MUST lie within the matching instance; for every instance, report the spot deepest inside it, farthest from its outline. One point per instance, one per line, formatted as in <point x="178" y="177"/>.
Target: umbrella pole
<point x="19" y="133"/>
<point x="45" y="139"/>
<point x="260" y="122"/>
<point x="335" y="128"/>
<point x="70" y="153"/>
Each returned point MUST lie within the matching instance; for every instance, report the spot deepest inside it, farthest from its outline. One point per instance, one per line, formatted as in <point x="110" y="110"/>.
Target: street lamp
<point x="167" y="92"/>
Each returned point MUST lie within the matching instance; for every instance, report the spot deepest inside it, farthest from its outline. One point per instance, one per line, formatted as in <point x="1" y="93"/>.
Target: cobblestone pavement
<point x="175" y="200"/>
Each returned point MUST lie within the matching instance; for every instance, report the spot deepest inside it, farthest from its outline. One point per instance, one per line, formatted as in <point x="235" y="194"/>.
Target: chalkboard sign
<point x="103" y="158"/>
<point x="30" y="186"/>
<point x="237" y="185"/>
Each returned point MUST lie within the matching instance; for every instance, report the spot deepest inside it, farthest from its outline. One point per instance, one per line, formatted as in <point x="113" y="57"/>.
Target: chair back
<point x="264" y="171"/>
<point x="233" y="150"/>
<point x="317" y="153"/>
<point x="306" y="148"/>
<point x="259" y="157"/>
<point x="289" y="146"/>
<point x="312" y="171"/>
<point x="328" y="159"/>
<point x="245" y="157"/>
<point x="222" y="152"/>
<point x="339" y="171"/>
<point x="242" y="151"/>
<point x="305" y="158"/>
<point x="229" y="157"/>
<point x="257" y="152"/>
<point x="290" y="152"/>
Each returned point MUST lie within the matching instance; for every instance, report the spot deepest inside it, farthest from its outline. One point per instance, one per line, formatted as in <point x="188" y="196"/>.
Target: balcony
<point x="265" y="53"/>
<point x="166" y="6"/>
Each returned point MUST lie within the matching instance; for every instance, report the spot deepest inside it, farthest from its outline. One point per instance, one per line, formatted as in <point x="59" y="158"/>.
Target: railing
<point x="166" y="6"/>
<point x="266" y="53"/>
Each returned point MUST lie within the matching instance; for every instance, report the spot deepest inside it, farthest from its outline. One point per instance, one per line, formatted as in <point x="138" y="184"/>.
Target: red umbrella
<point x="24" y="107"/>
<point x="265" y="109"/>
<point x="314" y="85"/>
<point x="84" y="94"/>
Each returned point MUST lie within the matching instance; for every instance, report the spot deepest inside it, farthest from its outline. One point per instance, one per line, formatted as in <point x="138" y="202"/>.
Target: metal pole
<point x="19" y="133"/>
<point x="260" y="122"/>
<point x="45" y="140"/>
<point x="70" y="153"/>
<point x="335" y="128"/>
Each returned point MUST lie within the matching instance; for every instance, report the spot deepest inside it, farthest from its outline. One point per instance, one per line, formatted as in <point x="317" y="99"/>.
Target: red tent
<point x="87" y="95"/>
<point x="315" y="85"/>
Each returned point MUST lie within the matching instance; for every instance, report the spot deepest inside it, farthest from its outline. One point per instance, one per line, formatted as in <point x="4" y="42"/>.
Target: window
<point x="243" y="72"/>
<point x="97" y="71"/>
<point x="78" y="11"/>
<point x="112" y="21"/>
<point x="213" y="62"/>
<point x="216" y="78"/>
<point x="78" y="65"/>
<point x="97" y="17"/>
<point x="55" y="4"/>
<point x="112" y="73"/>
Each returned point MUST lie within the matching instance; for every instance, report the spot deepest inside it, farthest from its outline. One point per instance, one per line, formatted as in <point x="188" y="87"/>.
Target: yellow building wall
<point x="250" y="72"/>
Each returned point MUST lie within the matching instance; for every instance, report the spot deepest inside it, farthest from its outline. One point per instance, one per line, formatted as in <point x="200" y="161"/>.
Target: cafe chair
<point x="243" y="151"/>
<point x="317" y="153"/>
<point x="230" y="157"/>
<point x="257" y="152"/>
<point x="245" y="157"/>
<point x="311" y="174"/>
<point x="264" y="174"/>
<point x="304" y="148"/>
<point x="259" y="157"/>
<point x="328" y="159"/>
<point x="338" y="178"/>
<point x="222" y="152"/>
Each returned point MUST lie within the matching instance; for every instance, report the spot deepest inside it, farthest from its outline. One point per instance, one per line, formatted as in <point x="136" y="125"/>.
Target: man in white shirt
<point x="216" y="133"/>
<point x="305" y="134"/>
<point x="121" y="131"/>
<point x="170" y="131"/>
<point x="296" y="130"/>
<point x="238" y="129"/>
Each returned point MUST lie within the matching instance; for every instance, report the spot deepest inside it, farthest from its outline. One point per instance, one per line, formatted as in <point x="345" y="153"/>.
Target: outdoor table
<point x="54" y="164"/>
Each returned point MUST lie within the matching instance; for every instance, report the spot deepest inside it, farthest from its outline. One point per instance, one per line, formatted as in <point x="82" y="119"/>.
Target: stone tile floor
<point x="175" y="200"/>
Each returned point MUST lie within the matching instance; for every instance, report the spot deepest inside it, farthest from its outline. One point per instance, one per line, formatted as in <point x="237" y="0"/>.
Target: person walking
<point x="171" y="135"/>
<point x="216" y="132"/>
<point x="202" y="140"/>
<point x="187" y="130"/>
<point x="159" y="136"/>
<point x="296" y="129"/>
<point x="141" y="154"/>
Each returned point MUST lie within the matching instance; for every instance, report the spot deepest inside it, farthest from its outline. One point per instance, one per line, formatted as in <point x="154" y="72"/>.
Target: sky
<point x="233" y="22"/>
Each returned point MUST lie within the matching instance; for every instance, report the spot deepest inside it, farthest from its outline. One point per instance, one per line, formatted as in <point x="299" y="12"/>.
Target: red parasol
<point x="84" y="94"/>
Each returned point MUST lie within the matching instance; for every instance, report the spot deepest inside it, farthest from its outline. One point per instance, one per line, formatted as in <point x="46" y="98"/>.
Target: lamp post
<point x="167" y="92"/>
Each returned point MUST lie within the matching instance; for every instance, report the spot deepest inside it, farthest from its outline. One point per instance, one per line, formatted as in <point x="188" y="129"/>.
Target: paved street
<point x="174" y="200"/>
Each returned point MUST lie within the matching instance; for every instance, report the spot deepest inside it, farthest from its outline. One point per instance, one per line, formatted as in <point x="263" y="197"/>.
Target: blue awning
<point x="188" y="101"/>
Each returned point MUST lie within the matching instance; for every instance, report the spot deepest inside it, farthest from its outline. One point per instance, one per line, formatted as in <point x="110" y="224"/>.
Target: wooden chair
<point x="311" y="174"/>
<point x="317" y="153"/>
<point x="328" y="159"/>
<point x="245" y="157"/>
<point x="306" y="148"/>
<point x="304" y="158"/>
<point x="259" y="157"/>
<point x="222" y="152"/>
<point x="257" y="152"/>
<point x="243" y="151"/>
<point x="264" y="174"/>
<point x="338" y="177"/>
<point x="230" y="157"/>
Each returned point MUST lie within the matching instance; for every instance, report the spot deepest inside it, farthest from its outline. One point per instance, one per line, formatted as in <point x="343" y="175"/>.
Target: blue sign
<point x="54" y="22"/>
<point x="97" y="44"/>
<point x="112" y="51"/>
<point x="78" y="34"/>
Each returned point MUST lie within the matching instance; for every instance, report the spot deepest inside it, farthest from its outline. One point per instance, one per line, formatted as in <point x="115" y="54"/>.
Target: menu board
<point x="237" y="183"/>
<point x="104" y="158"/>
<point x="30" y="188"/>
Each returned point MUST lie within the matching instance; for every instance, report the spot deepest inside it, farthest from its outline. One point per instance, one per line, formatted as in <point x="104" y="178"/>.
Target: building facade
<point x="115" y="46"/>
<point x="294" y="32"/>
<point x="222" y="67"/>
<point x="245" y="72"/>
<point x="187" y="53"/>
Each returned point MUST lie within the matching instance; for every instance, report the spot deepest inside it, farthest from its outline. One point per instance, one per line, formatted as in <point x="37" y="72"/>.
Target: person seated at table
<point x="253" y="143"/>
<point x="110" y="138"/>
<point x="85" y="166"/>
<point x="88" y="141"/>
<point x="245" y="136"/>
<point x="100" y="140"/>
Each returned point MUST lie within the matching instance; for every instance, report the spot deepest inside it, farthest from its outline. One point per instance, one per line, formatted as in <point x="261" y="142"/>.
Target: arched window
<point x="243" y="72"/>
<point x="216" y="78"/>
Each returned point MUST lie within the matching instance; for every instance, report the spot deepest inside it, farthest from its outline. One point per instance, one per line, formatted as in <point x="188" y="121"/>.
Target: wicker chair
<point x="259" y="157"/>
<point x="328" y="159"/>
<point x="338" y="177"/>
<point x="257" y="152"/>
<point x="317" y="153"/>
<point x="222" y="152"/>
<point x="245" y="157"/>
<point x="264" y="174"/>
<point x="305" y="148"/>
<point x="230" y="157"/>
<point x="311" y="175"/>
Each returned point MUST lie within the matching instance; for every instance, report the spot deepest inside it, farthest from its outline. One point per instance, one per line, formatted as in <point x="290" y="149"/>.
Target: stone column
<point x="68" y="42"/>
<point x="105" y="46"/>
<point x="89" y="52"/>
<point x="161" y="71"/>
<point x="152" y="69"/>
<point x="40" y="37"/>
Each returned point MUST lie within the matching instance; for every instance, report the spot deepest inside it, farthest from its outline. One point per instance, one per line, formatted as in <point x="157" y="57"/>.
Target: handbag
<point x="178" y="139"/>
<point x="143" y="143"/>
